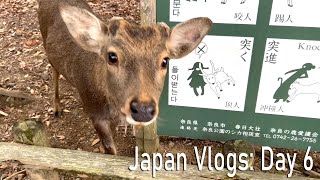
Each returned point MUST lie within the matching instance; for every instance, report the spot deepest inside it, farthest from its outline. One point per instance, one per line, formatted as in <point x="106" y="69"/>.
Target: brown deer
<point x="118" y="68"/>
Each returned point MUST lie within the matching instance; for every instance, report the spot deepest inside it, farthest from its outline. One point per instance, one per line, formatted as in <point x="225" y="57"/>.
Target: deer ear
<point x="85" y="28"/>
<point x="186" y="36"/>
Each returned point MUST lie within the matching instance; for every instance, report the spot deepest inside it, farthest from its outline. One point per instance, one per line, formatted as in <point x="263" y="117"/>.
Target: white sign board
<point x="214" y="76"/>
<point x="302" y="13"/>
<point x="219" y="11"/>
<point x="290" y="79"/>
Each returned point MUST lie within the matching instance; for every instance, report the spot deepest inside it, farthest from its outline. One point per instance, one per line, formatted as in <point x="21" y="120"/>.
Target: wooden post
<point x="148" y="12"/>
<point x="147" y="137"/>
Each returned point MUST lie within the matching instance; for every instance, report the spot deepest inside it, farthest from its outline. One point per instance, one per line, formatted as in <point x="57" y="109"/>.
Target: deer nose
<point x="142" y="111"/>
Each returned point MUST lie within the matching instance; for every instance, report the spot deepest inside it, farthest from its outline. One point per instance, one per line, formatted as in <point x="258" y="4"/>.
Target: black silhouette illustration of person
<point x="283" y="90"/>
<point x="196" y="78"/>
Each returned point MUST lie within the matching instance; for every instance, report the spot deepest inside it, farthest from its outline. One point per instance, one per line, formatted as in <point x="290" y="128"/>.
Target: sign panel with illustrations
<point x="220" y="11"/>
<point x="256" y="80"/>
<point x="207" y="78"/>
<point x="290" y="82"/>
<point x="300" y="13"/>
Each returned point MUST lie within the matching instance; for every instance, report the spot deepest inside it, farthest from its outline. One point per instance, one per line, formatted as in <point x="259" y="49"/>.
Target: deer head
<point x="133" y="58"/>
<point x="210" y="77"/>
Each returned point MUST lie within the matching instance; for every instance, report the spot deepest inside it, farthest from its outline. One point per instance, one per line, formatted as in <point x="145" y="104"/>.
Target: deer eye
<point x="112" y="58"/>
<point x="164" y="62"/>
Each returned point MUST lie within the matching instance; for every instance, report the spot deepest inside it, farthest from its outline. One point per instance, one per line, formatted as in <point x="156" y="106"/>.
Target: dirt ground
<point x="24" y="67"/>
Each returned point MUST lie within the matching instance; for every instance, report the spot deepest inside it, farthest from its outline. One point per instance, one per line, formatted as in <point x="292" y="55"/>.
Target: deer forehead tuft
<point x="142" y="34"/>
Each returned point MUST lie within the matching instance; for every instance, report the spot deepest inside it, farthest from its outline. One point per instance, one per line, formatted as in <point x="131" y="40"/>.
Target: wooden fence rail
<point x="107" y="165"/>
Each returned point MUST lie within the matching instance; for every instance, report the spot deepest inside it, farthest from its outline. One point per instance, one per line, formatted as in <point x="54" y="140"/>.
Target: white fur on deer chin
<point x="130" y="120"/>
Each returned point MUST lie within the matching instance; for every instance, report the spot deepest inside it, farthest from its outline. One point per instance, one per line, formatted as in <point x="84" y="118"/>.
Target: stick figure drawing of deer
<point x="216" y="78"/>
